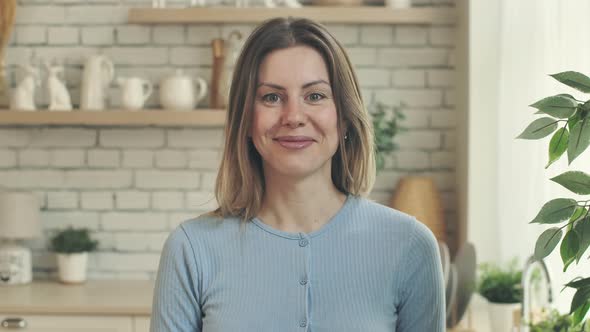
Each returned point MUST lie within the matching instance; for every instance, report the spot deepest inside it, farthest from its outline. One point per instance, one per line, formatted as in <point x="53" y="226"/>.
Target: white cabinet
<point x="141" y="323"/>
<point x="71" y="323"/>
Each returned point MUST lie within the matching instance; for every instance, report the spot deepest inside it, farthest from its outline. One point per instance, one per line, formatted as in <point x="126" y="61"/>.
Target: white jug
<point x="134" y="92"/>
<point x="177" y="92"/>
<point x="98" y="74"/>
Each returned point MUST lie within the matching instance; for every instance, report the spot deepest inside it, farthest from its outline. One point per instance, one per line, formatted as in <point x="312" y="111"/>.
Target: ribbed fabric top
<point x="370" y="268"/>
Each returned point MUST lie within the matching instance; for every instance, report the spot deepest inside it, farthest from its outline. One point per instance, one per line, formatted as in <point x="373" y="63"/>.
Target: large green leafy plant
<point x="568" y="119"/>
<point x="500" y="284"/>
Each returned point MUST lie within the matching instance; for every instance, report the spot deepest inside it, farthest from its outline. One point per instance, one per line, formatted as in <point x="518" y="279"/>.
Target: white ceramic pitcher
<point x="98" y="74"/>
<point x="134" y="92"/>
<point x="177" y="92"/>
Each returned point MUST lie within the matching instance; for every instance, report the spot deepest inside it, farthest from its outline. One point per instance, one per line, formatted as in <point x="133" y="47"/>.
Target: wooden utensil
<point x="466" y="265"/>
<point x="7" y="15"/>
<point x="216" y="96"/>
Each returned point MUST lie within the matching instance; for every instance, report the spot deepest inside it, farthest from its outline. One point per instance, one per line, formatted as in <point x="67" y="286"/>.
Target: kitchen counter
<point x="125" y="298"/>
<point x="95" y="297"/>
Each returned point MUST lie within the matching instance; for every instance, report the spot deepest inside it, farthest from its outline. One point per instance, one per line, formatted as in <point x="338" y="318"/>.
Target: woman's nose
<point x="293" y="114"/>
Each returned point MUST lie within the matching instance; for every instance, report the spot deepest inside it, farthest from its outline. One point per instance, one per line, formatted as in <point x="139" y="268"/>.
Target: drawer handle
<point x="14" y="323"/>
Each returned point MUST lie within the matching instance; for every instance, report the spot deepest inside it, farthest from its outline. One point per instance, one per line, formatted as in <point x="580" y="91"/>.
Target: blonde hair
<point x="239" y="188"/>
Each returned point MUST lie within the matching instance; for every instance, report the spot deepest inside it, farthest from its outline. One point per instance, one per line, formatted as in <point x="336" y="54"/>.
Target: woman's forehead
<point x="297" y="63"/>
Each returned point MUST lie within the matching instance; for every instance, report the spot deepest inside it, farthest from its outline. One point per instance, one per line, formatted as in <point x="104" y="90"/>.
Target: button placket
<point x="304" y="242"/>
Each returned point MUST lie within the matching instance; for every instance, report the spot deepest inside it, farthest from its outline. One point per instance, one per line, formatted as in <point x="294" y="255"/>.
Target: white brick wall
<point x="63" y="36"/>
<point x="97" y="200"/>
<point x="411" y="35"/>
<point x="135" y="138"/>
<point x="171" y="159"/>
<point x="166" y="179"/>
<point x="131" y="186"/>
<point x="103" y="158"/>
<point x="376" y="35"/>
<point x="138" y="158"/>
<point x="132" y="200"/>
<point x="31" y="35"/>
<point x="14" y="137"/>
<point x="97" y="179"/>
<point x="98" y="35"/>
<point x="133" y="34"/>
<point x="167" y="200"/>
<point x="133" y="221"/>
<point x="62" y="200"/>
<point x="7" y="158"/>
<point x="67" y="158"/>
<point x="169" y="35"/>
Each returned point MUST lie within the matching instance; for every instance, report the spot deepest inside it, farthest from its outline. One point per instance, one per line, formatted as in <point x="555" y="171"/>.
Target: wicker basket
<point x="419" y="197"/>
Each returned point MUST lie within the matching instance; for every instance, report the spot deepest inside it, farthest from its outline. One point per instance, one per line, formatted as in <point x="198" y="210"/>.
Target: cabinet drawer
<point x="64" y="323"/>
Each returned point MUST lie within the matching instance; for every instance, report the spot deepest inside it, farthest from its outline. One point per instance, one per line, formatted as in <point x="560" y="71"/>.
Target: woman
<point x="293" y="246"/>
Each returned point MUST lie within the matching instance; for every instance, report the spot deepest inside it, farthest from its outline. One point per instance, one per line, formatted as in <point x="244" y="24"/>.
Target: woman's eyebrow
<point x="306" y="85"/>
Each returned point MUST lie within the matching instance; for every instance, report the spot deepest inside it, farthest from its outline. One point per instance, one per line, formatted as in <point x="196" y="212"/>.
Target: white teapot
<point x="177" y="92"/>
<point x="134" y="92"/>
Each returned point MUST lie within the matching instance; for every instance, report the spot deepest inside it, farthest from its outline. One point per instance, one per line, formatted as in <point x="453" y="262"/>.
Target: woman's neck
<point x="300" y="205"/>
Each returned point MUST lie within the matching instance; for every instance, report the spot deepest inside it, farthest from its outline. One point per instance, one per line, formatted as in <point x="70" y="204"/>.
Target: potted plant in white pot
<point x="72" y="247"/>
<point x="555" y="321"/>
<point x="502" y="288"/>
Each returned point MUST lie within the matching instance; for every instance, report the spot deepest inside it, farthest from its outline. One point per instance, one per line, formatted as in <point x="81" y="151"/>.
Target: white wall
<point x="483" y="42"/>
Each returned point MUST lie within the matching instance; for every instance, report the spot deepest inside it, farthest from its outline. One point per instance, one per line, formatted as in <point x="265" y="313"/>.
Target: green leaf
<point x="555" y="211"/>
<point x="582" y="295"/>
<point x="579" y="140"/>
<point x="574" y="79"/>
<point x="571" y="122"/>
<point x="578" y="283"/>
<point x="580" y="313"/>
<point x="569" y="248"/>
<point x="559" y="106"/>
<point x="575" y="181"/>
<point x="546" y="242"/>
<point x="585" y="106"/>
<point x="582" y="228"/>
<point x="558" y="145"/>
<point x="578" y="212"/>
<point x="539" y="128"/>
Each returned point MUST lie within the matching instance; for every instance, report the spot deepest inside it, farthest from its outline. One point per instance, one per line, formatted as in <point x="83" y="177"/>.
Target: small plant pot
<point x="502" y="315"/>
<point x="72" y="267"/>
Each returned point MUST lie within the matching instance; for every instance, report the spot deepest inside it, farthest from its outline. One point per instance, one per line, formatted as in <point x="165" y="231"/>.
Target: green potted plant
<point x="72" y="247"/>
<point x="556" y="322"/>
<point x="568" y="119"/>
<point x="501" y="287"/>
<point x="385" y="127"/>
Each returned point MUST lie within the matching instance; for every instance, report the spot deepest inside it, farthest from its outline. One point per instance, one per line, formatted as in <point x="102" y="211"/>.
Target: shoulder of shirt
<point x="388" y="219"/>
<point x="208" y="223"/>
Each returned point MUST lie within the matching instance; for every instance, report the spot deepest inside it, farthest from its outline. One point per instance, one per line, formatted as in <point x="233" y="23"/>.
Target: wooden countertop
<point x="95" y="297"/>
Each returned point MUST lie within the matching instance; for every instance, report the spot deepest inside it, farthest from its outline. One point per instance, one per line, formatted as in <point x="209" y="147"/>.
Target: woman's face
<point x="294" y="124"/>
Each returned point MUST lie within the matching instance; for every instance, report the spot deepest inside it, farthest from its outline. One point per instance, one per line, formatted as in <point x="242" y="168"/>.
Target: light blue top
<point x="369" y="269"/>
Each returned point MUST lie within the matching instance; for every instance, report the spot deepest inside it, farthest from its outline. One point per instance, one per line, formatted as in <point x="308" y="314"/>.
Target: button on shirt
<point x="370" y="268"/>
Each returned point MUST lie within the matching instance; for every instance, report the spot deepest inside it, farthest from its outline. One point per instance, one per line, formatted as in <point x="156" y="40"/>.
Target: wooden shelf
<point x="158" y="118"/>
<point x="360" y="14"/>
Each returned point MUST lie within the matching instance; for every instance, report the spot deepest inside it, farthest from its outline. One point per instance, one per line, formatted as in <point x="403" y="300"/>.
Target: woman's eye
<point x="270" y="98"/>
<point x="316" y="96"/>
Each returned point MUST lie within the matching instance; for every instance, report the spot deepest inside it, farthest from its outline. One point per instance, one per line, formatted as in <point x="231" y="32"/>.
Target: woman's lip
<point x="295" y="144"/>
<point x="294" y="138"/>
